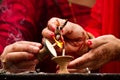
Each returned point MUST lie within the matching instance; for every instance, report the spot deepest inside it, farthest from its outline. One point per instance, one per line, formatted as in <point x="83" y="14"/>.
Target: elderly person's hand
<point x="20" y="56"/>
<point x="103" y="49"/>
<point x="73" y="34"/>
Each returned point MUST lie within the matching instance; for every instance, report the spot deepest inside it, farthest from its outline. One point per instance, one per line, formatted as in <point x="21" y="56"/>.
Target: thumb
<point x="96" y="42"/>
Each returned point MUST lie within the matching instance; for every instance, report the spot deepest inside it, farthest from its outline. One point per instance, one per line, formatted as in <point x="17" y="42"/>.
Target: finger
<point x="76" y="63"/>
<point x="54" y="22"/>
<point x="21" y="48"/>
<point x="96" y="42"/>
<point x="93" y="59"/>
<point x="30" y="43"/>
<point x="81" y="62"/>
<point x="47" y="33"/>
<point x="22" y="66"/>
<point x="27" y="64"/>
<point x="17" y="57"/>
<point x="70" y="29"/>
<point x="78" y="70"/>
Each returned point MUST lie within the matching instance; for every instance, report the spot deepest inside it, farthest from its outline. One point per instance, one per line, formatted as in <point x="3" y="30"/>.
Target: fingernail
<point x="30" y="56"/>
<point x="52" y="28"/>
<point x="62" y="30"/>
<point x="52" y="35"/>
<point x="38" y="44"/>
<point x="34" y="49"/>
<point x="89" y="42"/>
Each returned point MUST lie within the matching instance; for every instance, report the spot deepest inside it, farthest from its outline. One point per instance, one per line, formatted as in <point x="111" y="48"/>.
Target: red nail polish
<point x="52" y="35"/>
<point x="89" y="42"/>
<point x="62" y="30"/>
<point x="53" y="29"/>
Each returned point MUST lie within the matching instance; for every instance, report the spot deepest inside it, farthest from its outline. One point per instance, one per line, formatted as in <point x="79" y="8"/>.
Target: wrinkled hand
<point x="20" y="56"/>
<point x="74" y="36"/>
<point x="103" y="49"/>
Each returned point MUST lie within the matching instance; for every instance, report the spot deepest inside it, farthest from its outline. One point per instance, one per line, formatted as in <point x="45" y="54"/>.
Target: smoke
<point x="14" y="33"/>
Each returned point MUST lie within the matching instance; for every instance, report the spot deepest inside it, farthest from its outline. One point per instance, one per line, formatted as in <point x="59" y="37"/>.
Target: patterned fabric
<point x="25" y="19"/>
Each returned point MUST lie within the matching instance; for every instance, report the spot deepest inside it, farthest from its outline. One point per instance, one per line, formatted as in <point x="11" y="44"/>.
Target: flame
<point x="59" y="43"/>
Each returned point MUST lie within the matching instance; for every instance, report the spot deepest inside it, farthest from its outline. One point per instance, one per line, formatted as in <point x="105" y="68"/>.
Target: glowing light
<point x="59" y="43"/>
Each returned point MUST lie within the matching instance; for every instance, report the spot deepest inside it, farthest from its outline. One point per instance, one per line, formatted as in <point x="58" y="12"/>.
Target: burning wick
<point x="58" y="38"/>
<point x="58" y="43"/>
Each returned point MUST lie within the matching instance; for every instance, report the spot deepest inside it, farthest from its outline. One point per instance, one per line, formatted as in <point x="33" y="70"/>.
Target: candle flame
<point x="59" y="43"/>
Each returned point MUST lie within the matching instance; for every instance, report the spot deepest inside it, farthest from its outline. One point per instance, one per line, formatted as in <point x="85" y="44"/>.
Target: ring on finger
<point x="88" y="70"/>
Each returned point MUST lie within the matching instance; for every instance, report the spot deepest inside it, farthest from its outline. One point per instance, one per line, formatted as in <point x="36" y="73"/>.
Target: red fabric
<point x="106" y="14"/>
<point x="25" y="19"/>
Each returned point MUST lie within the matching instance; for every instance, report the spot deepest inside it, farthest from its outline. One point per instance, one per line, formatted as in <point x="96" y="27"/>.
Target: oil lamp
<point x="62" y="60"/>
<point x="49" y="49"/>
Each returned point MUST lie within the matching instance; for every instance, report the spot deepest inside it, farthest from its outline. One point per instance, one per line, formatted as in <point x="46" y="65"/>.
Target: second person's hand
<point x="73" y="34"/>
<point x="20" y="56"/>
<point x="103" y="50"/>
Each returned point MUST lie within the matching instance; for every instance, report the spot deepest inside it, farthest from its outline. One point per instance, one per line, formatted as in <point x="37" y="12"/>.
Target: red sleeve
<point x="94" y="25"/>
<point x="17" y="21"/>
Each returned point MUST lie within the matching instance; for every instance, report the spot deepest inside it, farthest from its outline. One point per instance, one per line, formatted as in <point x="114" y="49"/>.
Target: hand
<point x="20" y="56"/>
<point x="74" y="36"/>
<point x="103" y="49"/>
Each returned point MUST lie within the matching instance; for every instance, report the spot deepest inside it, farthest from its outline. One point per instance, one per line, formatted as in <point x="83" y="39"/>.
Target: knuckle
<point x="14" y="47"/>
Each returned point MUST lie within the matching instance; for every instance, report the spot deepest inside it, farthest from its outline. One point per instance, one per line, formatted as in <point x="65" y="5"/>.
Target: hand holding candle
<point x="59" y="40"/>
<point x="69" y="37"/>
<point x="72" y="36"/>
